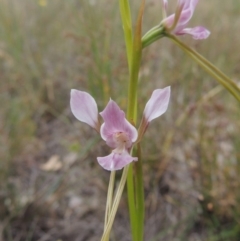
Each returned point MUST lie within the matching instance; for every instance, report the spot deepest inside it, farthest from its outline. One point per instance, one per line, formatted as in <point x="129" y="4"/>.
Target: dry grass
<point x="192" y="157"/>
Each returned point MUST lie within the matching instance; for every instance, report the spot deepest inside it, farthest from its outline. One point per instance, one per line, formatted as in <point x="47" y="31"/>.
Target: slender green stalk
<point x="109" y="200"/>
<point x="152" y="36"/>
<point x="134" y="68"/>
<point x="127" y="27"/>
<point x="131" y="203"/>
<point x="109" y="197"/>
<point x="209" y="67"/>
<point x="134" y="53"/>
<point x="150" y="32"/>
<point x="115" y="205"/>
<point x="133" y="82"/>
<point x="133" y="49"/>
<point x="136" y="217"/>
<point x="140" y="207"/>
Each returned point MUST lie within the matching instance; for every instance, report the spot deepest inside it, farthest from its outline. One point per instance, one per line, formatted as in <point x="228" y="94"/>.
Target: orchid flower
<point x="118" y="133"/>
<point x="176" y="23"/>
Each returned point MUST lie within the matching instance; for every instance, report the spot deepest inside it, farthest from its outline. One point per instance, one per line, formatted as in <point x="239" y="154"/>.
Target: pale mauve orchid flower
<point x="116" y="130"/>
<point x="176" y="23"/>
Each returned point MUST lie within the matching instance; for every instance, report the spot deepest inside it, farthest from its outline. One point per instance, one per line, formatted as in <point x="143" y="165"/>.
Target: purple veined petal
<point x="188" y="4"/>
<point x="84" y="108"/>
<point x="107" y="136"/>
<point x="115" y="121"/>
<point x="198" y="32"/>
<point x="155" y="107"/>
<point x="113" y="117"/>
<point x="193" y="3"/>
<point x="184" y="18"/>
<point x="165" y="6"/>
<point x="116" y="161"/>
<point x="168" y="21"/>
<point x="187" y="12"/>
<point x="157" y="104"/>
<point x="188" y="7"/>
<point x="131" y="130"/>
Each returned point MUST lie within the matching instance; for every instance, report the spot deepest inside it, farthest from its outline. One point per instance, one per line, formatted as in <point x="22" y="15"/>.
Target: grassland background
<point x="191" y="155"/>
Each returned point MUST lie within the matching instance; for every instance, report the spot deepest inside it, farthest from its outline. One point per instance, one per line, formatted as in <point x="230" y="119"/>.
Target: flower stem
<point x="136" y="209"/>
<point x="134" y="54"/>
<point x="117" y="199"/>
<point x="109" y="197"/>
<point x="230" y="85"/>
<point x="132" y="98"/>
<point x="131" y="203"/>
<point x="109" y="201"/>
<point x="152" y="35"/>
<point x="127" y="27"/>
<point x="140" y="207"/>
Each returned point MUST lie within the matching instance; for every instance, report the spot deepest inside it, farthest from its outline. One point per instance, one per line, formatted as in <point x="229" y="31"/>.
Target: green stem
<point x="152" y="35"/>
<point x="140" y="207"/>
<point x="136" y="217"/>
<point x="109" y="197"/>
<point x="134" y="69"/>
<point x="149" y="32"/>
<point x="131" y="203"/>
<point x="131" y="115"/>
<point x="109" y="201"/>
<point x="209" y="67"/>
<point x="134" y="53"/>
<point x="127" y="27"/>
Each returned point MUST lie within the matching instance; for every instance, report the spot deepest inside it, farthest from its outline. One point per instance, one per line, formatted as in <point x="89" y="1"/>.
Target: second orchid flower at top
<point x="116" y="130"/>
<point x="176" y="23"/>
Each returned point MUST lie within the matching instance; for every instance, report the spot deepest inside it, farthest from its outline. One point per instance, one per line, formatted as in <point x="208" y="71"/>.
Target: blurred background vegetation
<point x="51" y="187"/>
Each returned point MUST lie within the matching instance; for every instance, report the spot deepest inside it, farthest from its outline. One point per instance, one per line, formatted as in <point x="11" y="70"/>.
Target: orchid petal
<point x="188" y="8"/>
<point x="188" y="4"/>
<point x="116" y="161"/>
<point x="157" y="104"/>
<point x="165" y="6"/>
<point x="114" y="121"/>
<point x="187" y="12"/>
<point x="185" y="17"/>
<point x="84" y="108"/>
<point x="198" y="32"/>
